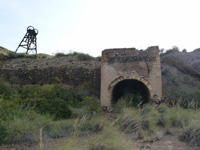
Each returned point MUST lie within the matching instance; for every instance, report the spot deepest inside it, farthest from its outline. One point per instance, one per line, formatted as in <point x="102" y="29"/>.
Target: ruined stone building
<point x="130" y="69"/>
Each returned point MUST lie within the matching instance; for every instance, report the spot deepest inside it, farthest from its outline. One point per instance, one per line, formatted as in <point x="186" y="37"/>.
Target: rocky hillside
<point x="78" y="72"/>
<point x="179" y="68"/>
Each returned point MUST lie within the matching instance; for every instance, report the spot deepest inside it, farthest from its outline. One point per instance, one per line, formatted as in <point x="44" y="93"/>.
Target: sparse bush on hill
<point x="187" y="96"/>
<point x="3" y="50"/>
<point x="187" y="79"/>
<point x="172" y="50"/>
<point x="60" y="55"/>
<point x="80" y="56"/>
<point x="166" y="72"/>
<point x="98" y="58"/>
<point x="33" y="56"/>
<point x="83" y="57"/>
<point x="14" y="55"/>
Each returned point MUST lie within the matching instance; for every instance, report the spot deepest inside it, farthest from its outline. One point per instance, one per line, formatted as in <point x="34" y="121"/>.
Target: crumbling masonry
<point x="132" y="69"/>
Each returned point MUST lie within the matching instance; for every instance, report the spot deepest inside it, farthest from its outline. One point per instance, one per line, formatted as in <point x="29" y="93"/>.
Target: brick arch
<point x="121" y="78"/>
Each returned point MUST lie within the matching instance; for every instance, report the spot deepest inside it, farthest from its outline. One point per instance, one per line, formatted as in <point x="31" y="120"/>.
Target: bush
<point x="33" y="56"/>
<point x="59" y="128"/>
<point x="187" y="79"/>
<point x="14" y="55"/>
<point x="174" y="49"/>
<point x="52" y="99"/>
<point x="174" y="117"/>
<point x="91" y="105"/>
<point x="191" y="136"/>
<point x="56" y="107"/>
<point x="129" y="100"/>
<point x="60" y="55"/>
<point x="83" y="57"/>
<point x="110" y="138"/>
<point x="93" y="125"/>
<point x="21" y="126"/>
<point x="187" y="97"/>
<point x="98" y="58"/>
<point x="150" y="118"/>
<point x="3" y="135"/>
<point x="166" y="72"/>
<point x="6" y="91"/>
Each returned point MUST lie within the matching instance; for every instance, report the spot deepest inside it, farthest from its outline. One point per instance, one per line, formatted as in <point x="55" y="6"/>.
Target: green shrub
<point x="4" y="51"/>
<point x="83" y="57"/>
<point x="59" y="128"/>
<point x="73" y="54"/>
<point x="110" y="138"/>
<point x="150" y="118"/>
<point x="175" y="79"/>
<point x="52" y="99"/>
<point x="98" y="58"/>
<point x="93" y="125"/>
<point x="33" y="56"/>
<point x="7" y="106"/>
<point x="128" y="100"/>
<point x="28" y="92"/>
<point x="21" y="126"/>
<point x="166" y="72"/>
<point x="187" y="97"/>
<point x="191" y="136"/>
<point x="3" y="135"/>
<point x="60" y="55"/>
<point x="186" y="79"/>
<point x="129" y="120"/>
<point x="14" y="55"/>
<point x="80" y="56"/>
<point x="174" y="49"/>
<point x="91" y="105"/>
<point x="6" y="91"/>
<point x="56" y="107"/>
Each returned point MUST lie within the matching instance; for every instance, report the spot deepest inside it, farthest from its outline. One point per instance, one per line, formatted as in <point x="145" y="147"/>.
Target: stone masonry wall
<point x="130" y="63"/>
<point x="72" y="72"/>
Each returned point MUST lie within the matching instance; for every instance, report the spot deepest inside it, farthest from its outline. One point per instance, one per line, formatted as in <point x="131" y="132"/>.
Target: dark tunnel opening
<point x="136" y="91"/>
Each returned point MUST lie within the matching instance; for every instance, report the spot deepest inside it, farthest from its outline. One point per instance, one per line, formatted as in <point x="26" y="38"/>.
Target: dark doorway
<point x="131" y="87"/>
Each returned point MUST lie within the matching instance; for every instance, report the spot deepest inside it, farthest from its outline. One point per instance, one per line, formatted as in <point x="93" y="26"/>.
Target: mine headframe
<point x="29" y="42"/>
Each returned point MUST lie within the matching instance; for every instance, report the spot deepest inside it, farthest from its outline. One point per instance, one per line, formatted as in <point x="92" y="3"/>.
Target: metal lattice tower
<point x="29" y="42"/>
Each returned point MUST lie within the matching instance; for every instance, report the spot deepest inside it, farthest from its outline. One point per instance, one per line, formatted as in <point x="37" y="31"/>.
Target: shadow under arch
<point x="130" y="86"/>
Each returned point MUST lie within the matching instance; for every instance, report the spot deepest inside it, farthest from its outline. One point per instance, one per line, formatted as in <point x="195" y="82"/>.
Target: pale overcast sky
<point x="91" y="26"/>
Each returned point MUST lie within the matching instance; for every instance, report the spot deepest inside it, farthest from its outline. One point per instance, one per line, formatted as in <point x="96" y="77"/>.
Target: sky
<point x="90" y="26"/>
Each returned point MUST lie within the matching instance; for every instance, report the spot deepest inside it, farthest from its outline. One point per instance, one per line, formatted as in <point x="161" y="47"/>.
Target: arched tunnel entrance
<point x="133" y="89"/>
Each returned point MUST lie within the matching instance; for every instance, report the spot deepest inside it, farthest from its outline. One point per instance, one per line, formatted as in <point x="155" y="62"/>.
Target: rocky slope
<point x="78" y="74"/>
<point x="74" y="73"/>
<point x="180" y="68"/>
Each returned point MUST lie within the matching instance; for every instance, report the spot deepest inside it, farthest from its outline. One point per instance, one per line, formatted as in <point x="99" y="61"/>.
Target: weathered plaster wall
<point x="130" y="63"/>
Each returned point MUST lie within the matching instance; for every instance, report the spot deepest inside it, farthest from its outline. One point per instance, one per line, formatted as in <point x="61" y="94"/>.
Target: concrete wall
<point x="130" y="63"/>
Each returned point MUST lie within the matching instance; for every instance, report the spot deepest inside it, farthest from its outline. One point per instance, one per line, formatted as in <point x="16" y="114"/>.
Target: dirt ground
<point x="167" y="142"/>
